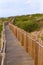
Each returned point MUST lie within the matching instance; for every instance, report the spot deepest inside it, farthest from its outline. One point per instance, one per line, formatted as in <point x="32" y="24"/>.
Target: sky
<point x="20" y="7"/>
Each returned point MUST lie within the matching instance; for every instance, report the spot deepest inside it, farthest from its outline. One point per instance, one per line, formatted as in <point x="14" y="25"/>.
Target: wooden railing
<point x="3" y="46"/>
<point x="33" y="47"/>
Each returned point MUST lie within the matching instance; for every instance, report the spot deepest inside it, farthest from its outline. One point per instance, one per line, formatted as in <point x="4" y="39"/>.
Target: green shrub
<point x="41" y="37"/>
<point x="28" y="26"/>
<point x="29" y="23"/>
<point x="0" y="59"/>
<point x="0" y="29"/>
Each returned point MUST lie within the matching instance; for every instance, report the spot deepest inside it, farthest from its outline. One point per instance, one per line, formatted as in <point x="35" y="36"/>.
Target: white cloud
<point x="33" y="1"/>
<point x="28" y="2"/>
<point x="5" y="1"/>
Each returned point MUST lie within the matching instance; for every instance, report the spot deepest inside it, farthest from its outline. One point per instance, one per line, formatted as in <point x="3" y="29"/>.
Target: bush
<point x="28" y="26"/>
<point x="0" y="29"/>
<point x="29" y="23"/>
<point x="41" y="37"/>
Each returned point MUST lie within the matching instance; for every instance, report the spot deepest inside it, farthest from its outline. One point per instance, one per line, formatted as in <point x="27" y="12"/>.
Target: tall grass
<point x="0" y="34"/>
<point x="0" y="59"/>
<point x="29" y="22"/>
<point x="0" y="30"/>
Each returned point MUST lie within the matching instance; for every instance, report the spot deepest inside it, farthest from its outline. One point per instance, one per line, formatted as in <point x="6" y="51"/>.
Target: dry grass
<point x="0" y="59"/>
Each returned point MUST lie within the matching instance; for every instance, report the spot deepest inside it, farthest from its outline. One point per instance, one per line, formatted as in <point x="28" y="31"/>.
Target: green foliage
<point x="0" y="34"/>
<point x="41" y="37"/>
<point x="28" y="26"/>
<point x="29" y="22"/>
<point x="0" y="29"/>
<point x="0" y="59"/>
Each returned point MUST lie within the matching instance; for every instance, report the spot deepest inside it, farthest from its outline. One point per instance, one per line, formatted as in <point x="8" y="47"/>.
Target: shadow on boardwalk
<point x="15" y="54"/>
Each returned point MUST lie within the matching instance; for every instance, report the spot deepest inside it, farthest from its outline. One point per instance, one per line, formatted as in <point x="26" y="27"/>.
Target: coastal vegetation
<point x="29" y="23"/>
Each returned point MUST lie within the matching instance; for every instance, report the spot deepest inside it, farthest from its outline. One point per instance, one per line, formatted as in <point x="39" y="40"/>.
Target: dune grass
<point x="0" y="34"/>
<point x="29" y="23"/>
<point x="0" y="59"/>
<point x="0" y="30"/>
<point x="41" y="36"/>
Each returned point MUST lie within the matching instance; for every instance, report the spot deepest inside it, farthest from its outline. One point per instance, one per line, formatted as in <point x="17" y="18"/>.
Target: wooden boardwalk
<point x="15" y="53"/>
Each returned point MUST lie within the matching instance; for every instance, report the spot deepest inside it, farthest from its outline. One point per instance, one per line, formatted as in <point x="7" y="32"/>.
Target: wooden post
<point x="36" y="53"/>
<point x="29" y="46"/>
<point x="14" y="30"/>
<point x="25" y="46"/>
<point x="33" y="49"/>
<point x="23" y="37"/>
<point x="40" y="55"/>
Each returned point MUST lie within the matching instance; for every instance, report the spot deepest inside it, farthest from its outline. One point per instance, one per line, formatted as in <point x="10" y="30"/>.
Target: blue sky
<point x="20" y="7"/>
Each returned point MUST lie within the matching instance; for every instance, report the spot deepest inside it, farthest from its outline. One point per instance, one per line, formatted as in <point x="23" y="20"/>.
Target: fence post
<point x="40" y="55"/>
